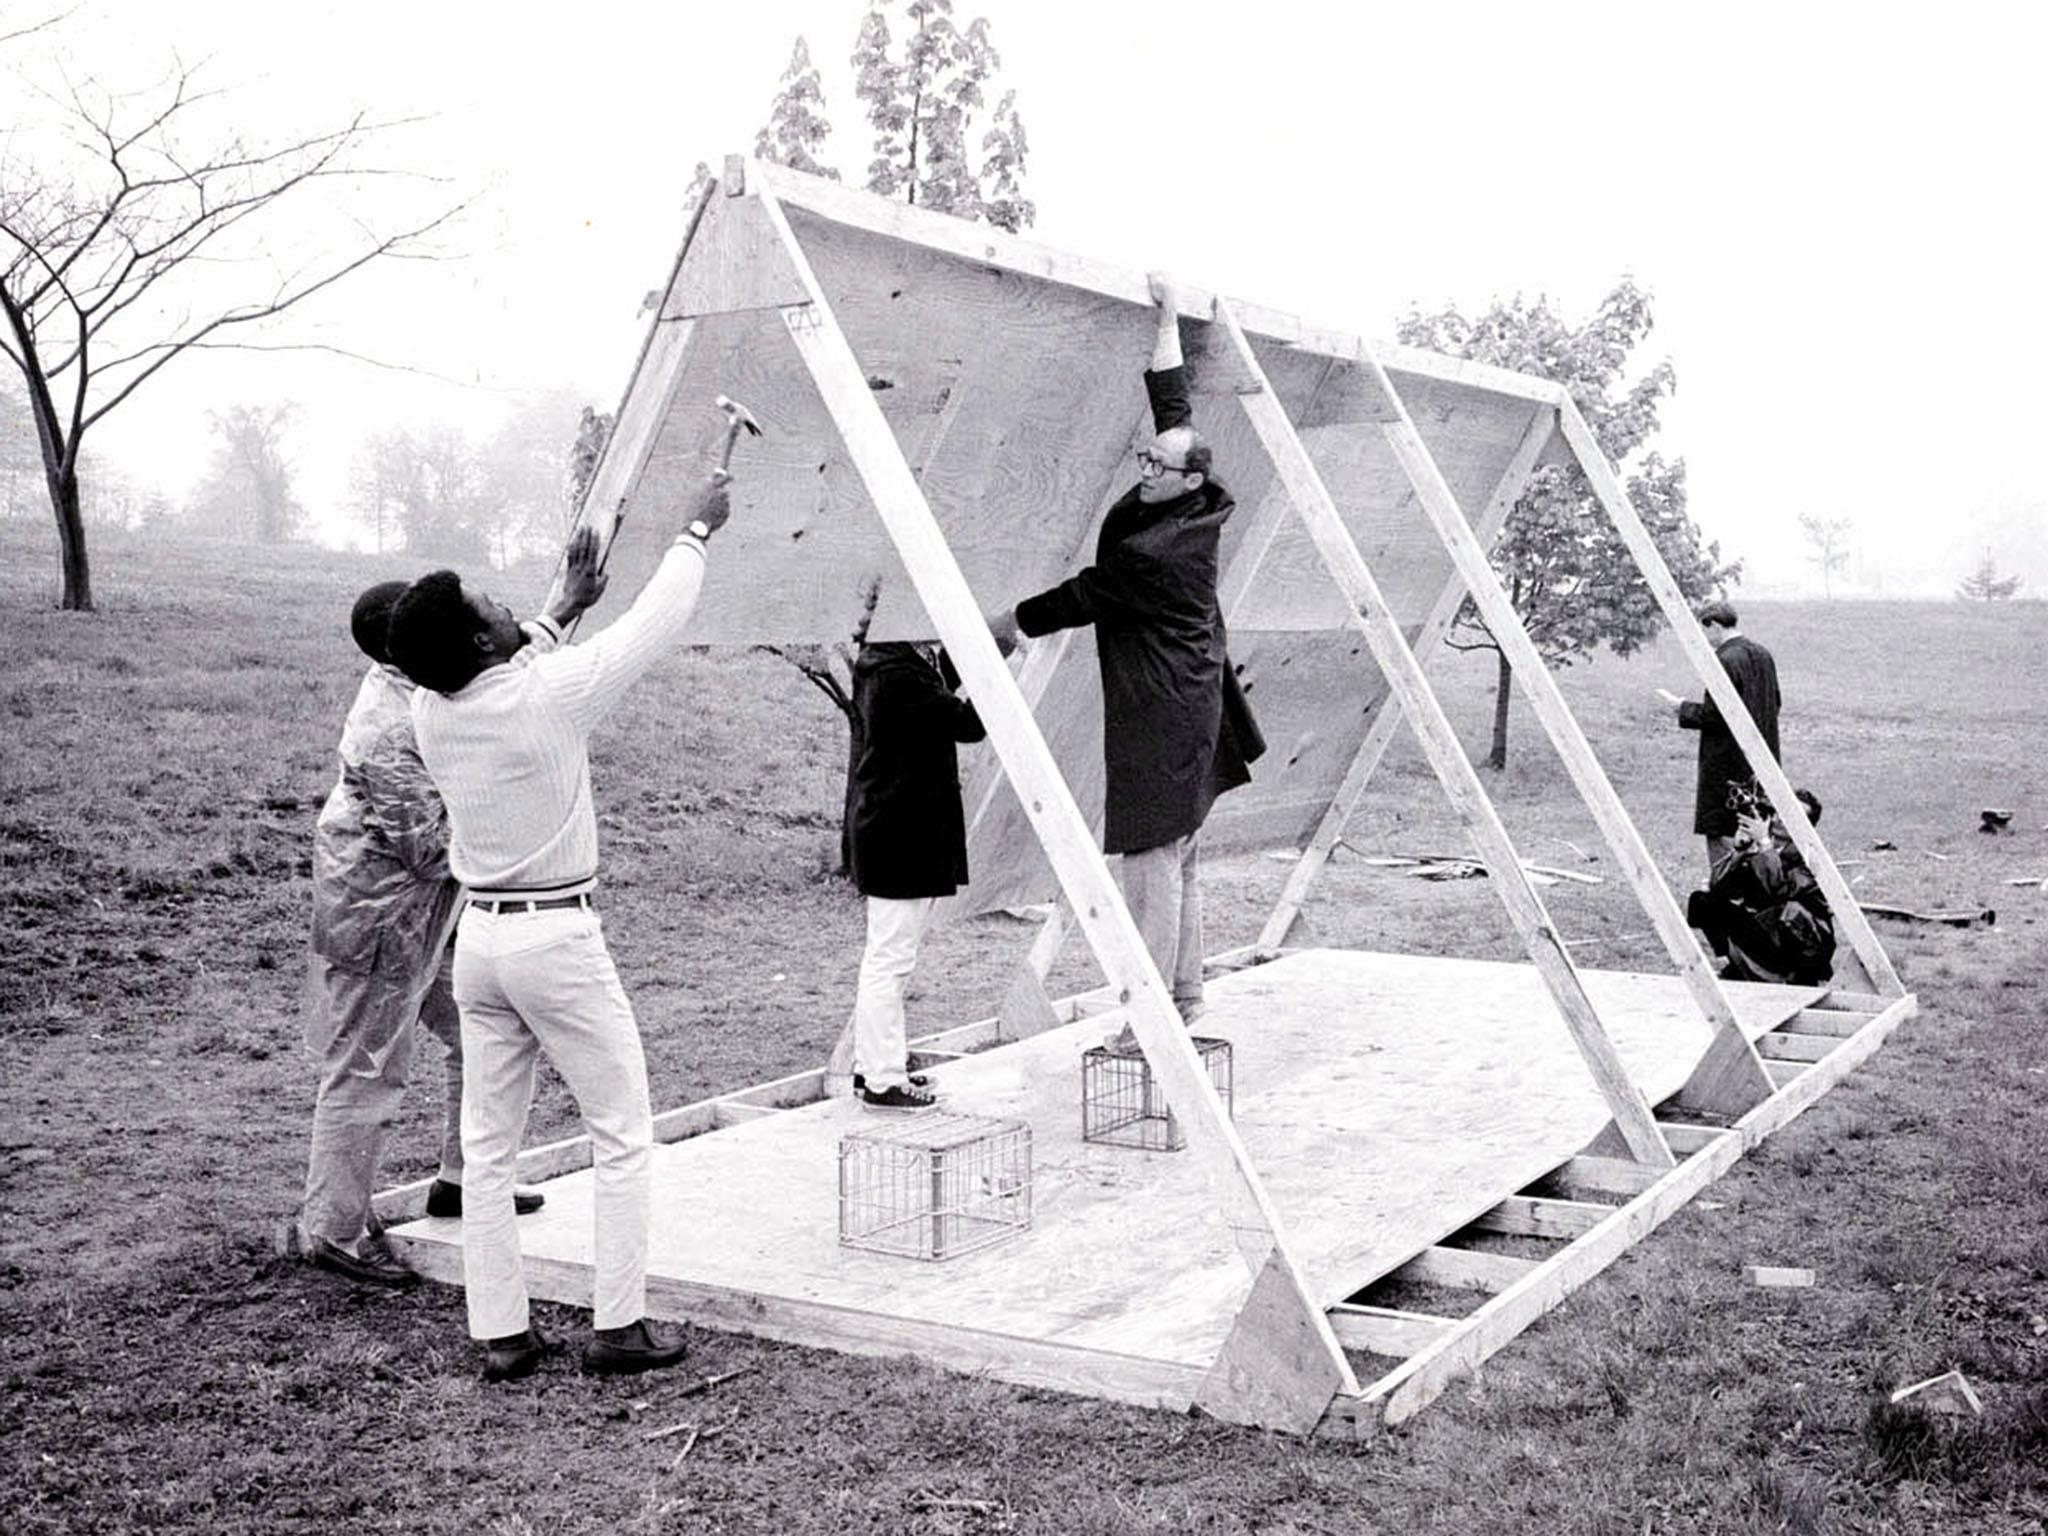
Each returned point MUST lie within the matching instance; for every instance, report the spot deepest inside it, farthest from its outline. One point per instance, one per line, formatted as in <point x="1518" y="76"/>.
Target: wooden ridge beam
<point x="1446" y="755"/>
<point x="1288" y="1315"/>
<point x="1849" y="919"/>
<point x="1386" y="719"/>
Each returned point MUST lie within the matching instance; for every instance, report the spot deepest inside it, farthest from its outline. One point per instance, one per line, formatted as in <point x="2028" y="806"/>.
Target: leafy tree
<point x="921" y="102"/>
<point x="422" y="491"/>
<point x="1827" y="540"/>
<point x="797" y="127"/>
<point x="246" y="491"/>
<point x="1985" y="585"/>
<point x="1565" y="568"/>
<point x="139" y="237"/>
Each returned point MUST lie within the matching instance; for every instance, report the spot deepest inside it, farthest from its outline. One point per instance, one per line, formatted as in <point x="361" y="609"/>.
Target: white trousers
<point x="528" y="982"/>
<point x="875" y="1042"/>
<point x="1162" y="887"/>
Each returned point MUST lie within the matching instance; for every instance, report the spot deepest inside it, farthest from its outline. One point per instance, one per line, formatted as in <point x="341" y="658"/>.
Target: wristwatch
<point x="699" y="530"/>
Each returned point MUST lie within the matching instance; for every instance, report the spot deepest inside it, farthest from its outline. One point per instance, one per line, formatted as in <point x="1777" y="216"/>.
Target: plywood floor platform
<point x="1386" y="1101"/>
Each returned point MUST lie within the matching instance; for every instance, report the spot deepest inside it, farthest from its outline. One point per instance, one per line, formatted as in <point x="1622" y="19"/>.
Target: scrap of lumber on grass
<point x="1960" y="917"/>
<point x="1773" y="1276"/>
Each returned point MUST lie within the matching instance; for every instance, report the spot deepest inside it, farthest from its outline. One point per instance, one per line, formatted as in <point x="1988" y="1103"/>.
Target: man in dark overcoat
<point x="906" y="846"/>
<point x="1722" y="766"/>
<point x="1176" y="731"/>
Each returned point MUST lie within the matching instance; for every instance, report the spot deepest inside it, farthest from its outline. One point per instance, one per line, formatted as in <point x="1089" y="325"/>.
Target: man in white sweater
<point x="505" y="734"/>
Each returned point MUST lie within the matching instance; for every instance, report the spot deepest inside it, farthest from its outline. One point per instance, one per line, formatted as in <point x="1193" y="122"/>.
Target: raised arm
<point x="587" y="680"/>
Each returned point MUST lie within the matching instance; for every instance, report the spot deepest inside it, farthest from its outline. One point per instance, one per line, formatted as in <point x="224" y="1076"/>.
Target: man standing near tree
<point x="384" y="904"/>
<point x="1722" y="764"/>
<point x="508" y="745"/>
<point x="1176" y="731"/>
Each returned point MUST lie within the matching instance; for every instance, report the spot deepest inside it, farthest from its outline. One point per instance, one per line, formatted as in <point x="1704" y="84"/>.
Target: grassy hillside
<point x="161" y="763"/>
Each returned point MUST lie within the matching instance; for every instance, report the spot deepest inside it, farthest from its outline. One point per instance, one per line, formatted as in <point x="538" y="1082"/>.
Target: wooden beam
<point x="1386" y="719"/>
<point x="732" y="1112"/>
<point x="1840" y="999"/>
<point x="1387" y="1330"/>
<point x="1849" y="919"/>
<point x="1823" y="1021"/>
<point x="1612" y="1175"/>
<point x="1097" y="904"/>
<point x="1532" y="1216"/>
<point x="1731" y="1079"/>
<point x="992" y="247"/>
<point x="1795" y="1047"/>
<point x="1467" y="1269"/>
<point x="1446" y="755"/>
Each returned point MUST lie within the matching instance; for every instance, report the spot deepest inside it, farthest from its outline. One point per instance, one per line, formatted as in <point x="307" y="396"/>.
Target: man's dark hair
<point x="1197" y="459"/>
<point x="370" y="620"/>
<point x="1811" y="802"/>
<point x="1718" y="613"/>
<point x="432" y="634"/>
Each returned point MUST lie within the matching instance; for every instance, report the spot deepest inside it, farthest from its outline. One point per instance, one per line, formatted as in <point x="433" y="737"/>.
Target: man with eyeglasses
<point x="1176" y="731"/>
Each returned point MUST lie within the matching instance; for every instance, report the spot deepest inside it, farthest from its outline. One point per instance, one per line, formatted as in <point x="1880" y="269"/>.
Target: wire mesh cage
<point x="934" y="1185"/>
<point x="1122" y="1105"/>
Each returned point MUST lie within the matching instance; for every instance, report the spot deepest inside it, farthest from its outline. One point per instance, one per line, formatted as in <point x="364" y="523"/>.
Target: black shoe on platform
<point x="373" y="1264"/>
<point x="907" y="1096"/>
<point x="516" y="1355"/>
<point x="445" y="1199"/>
<point x="917" y="1080"/>
<point x="637" y="1347"/>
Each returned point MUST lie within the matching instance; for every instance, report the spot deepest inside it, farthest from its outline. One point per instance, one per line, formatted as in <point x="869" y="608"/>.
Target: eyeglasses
<point x="1152" y="462"/>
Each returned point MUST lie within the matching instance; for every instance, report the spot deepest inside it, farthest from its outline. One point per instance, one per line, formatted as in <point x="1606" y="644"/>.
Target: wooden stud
<point x="1386" y="719"/>
<point x="1097" y="903"/>
<point x="1447" y="756"/>
<point x="1783" y="1073"/>
<point x="1821" y="1021"/>
<point x="1849" y="920"/>
<point x="1802" y="1088"/>
<point x="1531" y="1216"/>
<point x="1613" y="1175"/>
<point x="1387" y="1330"/>
<point x="1795" y="1047"/>
<point x="1687" y="1139"/>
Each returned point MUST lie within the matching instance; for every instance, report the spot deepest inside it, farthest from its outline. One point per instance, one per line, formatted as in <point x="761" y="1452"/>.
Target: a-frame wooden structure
<point x="949" y="410"/>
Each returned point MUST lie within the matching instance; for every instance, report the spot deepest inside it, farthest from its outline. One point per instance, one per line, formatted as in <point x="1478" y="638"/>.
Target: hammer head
<point x="738" y="415"/>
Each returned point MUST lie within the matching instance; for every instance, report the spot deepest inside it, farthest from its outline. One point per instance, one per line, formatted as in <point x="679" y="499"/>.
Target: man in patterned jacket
<point x="384" y="904"/>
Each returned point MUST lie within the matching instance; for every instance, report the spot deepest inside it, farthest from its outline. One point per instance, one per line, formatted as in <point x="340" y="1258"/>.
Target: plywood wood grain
<point x="1387" y="1101"/>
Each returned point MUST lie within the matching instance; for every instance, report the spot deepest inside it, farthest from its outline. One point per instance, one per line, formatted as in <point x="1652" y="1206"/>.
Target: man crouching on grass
<point x="505" y="734"/>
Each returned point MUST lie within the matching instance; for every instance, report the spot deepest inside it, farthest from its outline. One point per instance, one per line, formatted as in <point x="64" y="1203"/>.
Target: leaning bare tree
<point x="146" y="233"/>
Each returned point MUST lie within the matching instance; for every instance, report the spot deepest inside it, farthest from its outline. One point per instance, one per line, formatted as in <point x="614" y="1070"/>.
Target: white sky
<point x="1839" y="209"/>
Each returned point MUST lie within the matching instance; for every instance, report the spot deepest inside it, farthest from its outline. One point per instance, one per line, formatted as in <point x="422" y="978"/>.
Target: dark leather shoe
<point x="516" y="1355"/>
<point x="373" y="1264"/>
<point x="637" y="1347"/>
<point x="445" y="1199"/>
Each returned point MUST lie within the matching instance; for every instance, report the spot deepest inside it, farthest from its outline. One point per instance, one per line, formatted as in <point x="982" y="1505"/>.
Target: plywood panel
<point x="1013" y="398"/>
<point x="1387" y="1100"/>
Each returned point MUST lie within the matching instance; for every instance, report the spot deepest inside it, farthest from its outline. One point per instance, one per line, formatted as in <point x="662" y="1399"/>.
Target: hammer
<point x="736" y="417"/>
